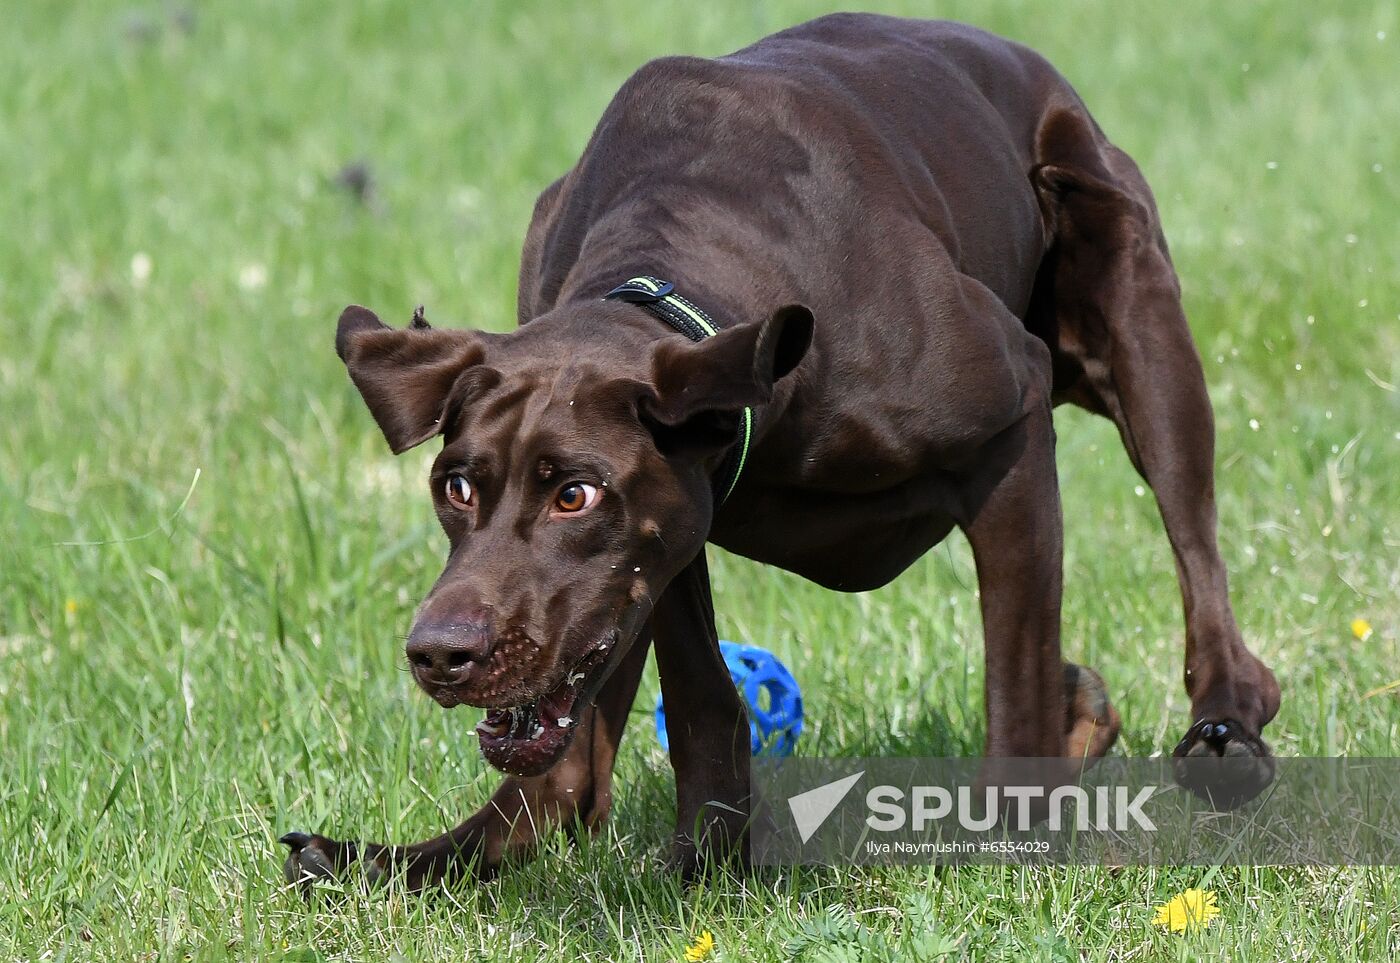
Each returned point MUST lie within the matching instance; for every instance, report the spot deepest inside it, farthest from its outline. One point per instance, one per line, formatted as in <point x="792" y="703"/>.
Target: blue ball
<point x="771" y="693"/>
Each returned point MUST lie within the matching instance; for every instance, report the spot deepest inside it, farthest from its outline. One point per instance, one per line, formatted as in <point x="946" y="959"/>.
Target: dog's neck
<point x="713" y="271"/>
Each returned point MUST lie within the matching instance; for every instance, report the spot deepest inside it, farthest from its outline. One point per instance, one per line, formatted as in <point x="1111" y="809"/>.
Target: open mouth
<point x="526" y="740"/>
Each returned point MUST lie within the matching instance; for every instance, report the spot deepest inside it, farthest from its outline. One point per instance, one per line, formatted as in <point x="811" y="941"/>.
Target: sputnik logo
<point x="811" y="808"/>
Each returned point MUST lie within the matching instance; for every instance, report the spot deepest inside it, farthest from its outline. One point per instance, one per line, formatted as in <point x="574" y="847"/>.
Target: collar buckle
<point x="634" y="293"/>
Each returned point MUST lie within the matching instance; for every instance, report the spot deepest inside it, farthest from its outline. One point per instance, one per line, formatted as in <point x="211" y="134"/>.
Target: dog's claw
<point x="313" y="858"/>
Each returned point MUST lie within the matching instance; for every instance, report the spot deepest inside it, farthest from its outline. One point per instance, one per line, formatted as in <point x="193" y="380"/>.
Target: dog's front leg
<point x="706" y="723"/>
<point x="1012" y="521"/>
<point x="576" y="792"/>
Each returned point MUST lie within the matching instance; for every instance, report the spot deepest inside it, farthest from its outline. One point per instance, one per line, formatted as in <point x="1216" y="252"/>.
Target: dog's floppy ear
<point x="700" y="389"/>
<point x="411" y="379"/>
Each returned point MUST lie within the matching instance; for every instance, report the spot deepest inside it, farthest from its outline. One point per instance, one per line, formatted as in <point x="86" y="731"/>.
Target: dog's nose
<point x="445" y="651"/>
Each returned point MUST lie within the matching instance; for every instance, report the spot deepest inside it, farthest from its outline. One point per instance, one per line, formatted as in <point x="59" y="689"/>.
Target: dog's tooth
<point x="565" y="722"/>
<point x="497" y="729"/>
<point x="539" y="731"/>
<point x="574" y="677"/>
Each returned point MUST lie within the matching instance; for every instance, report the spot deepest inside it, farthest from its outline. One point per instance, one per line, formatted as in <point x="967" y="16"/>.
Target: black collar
<point x="660" y="299"/>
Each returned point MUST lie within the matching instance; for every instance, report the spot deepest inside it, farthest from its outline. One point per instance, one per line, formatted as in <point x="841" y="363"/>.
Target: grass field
<point x="207" y="557"/>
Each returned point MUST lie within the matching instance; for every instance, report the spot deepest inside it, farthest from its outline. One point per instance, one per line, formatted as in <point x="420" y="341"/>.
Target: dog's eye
<point x="575" y="497"/>
<point x="459" y="492"/>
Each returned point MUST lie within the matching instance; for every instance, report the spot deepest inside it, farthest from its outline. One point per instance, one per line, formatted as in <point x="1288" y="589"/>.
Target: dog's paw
<point x="692" y="863"/>
<point x="682" y="861"/>
<point x="1222" y="763"/>
<point x="313" y="858"/>
<point x="1091" y="722"/>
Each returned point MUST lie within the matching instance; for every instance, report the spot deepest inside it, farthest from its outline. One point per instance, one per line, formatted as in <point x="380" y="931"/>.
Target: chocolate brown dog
<point x="812" y="302"/>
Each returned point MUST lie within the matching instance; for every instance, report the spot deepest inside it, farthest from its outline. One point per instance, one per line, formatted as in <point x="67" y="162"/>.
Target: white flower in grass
<point x="253" y="277"/>
<point x="140" y="269"/>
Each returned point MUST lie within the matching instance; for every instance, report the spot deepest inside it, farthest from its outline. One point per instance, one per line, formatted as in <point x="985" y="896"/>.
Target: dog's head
<point x="573" y="485"/>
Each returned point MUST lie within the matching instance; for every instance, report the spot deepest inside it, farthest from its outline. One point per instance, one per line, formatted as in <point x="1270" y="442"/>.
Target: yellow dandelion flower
<point x="1192" y="909"/>
<point x="1361" y="629"/>
<point x="70" y="608"/>
<point x="701" y="949"/>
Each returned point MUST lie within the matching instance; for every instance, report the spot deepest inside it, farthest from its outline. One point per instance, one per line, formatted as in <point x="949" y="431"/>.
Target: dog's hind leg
<point x="1111" y="312"/>
<point x="576" y="793"/>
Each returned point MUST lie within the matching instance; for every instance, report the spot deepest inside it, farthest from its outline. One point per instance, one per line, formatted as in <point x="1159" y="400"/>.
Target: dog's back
<point x="940" y="117"/>
<point x="851" y="119"/>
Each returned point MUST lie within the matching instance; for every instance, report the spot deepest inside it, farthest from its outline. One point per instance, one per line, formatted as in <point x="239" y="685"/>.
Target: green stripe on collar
<point x="661" y="299"/>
